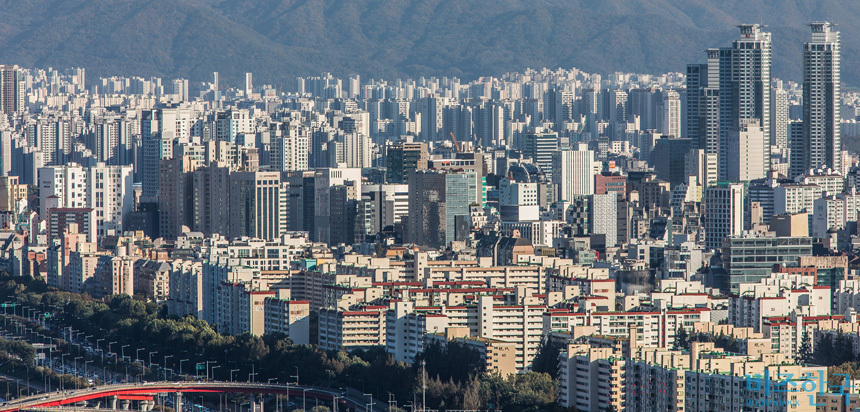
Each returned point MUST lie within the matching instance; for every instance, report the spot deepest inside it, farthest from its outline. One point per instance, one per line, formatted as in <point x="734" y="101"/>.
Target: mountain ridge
<point x="280" y="39"/>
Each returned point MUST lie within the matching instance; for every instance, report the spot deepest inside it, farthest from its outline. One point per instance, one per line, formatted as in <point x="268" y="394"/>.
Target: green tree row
<point x="456" y="378"/>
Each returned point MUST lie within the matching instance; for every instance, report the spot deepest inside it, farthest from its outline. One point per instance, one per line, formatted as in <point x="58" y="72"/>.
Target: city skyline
<point x="540" y="240"/>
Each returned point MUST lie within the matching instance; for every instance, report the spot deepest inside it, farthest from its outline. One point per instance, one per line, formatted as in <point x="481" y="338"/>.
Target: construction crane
<point x="456" y="144"/>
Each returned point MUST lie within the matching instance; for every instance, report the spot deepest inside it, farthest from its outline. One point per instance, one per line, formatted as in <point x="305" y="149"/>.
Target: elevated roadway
<point x="137" y="390"/>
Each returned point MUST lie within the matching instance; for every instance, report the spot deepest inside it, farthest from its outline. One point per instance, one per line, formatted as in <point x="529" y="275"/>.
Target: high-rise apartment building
<point x="175" y="196"/>
<point x="822" y="138"/>
<point x="289" y="148"/>
<point x="779" y="119"/>
<point x="703" y="103"/>
<point x="211" y="188"/>
<point x="745" y="88"/>
<point x="670" y="123"/>
<point x="731" y="90"/>
<point x="105" y="189"/>
<point x="249" y="84"/>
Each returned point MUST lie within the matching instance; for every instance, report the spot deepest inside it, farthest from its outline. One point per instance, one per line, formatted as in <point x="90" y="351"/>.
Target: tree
<point x="843" y="349"/>
<point x="804" y="353"/>
<point x="546" y="360"/>
<point x="682" y="339"/>
<point x="823" y="353"/>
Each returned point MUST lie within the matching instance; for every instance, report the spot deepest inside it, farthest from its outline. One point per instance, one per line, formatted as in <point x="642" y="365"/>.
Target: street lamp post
<point x="253" y="375"/>
<point x="122" y="351"/>
<point x="137" y="355"/>
<point x="76" y="371"/>
<point x="231" y="374"/>
<point x="213" y="371"/>
<point x="180" y="365"/>
<point x="165" y="365"/>
<point x="334" y="401"/>
<point x="369" y="406"/>
<point x="207" y="367"/>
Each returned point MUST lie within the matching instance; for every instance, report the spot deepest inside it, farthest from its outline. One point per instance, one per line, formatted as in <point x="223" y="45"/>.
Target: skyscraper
<point x="703" y="103"/>
<point x="573" y="172"/>
<point x="539" y="147"/>
<point x="745" y="88"/>
<point x="822" y="140"/>
<point x="258" y="205"/>
<point x="404" y="158"/>
<point x="249" y="84"/>
<point x="11" y="89"/>
<point x="731" y="90"/>
<point x="436" y="198"/>
<point x="779" y="119"/>
<point x="670" y="121"/>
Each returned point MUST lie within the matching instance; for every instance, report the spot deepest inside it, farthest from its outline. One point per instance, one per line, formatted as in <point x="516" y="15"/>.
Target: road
<point x="19" y="383"/>
<point x="355" y="401"/>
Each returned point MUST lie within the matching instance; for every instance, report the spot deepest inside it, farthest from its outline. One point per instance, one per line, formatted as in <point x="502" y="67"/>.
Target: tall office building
<point x="258" y="205"/>
<point x="668" y="160"/>
<point x="11" y="89"/>
<point x="724" y="213"/>
<point x="574" y="172"/>
<point x="745" y="86"/>
<point x="540" y="147"/>
<point x="436" y="199"/>
<point x="404" y="158"/>
<point x="383" y="205"/>
<point x="822" y="139"/>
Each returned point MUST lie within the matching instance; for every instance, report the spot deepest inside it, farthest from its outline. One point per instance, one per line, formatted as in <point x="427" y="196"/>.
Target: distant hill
<point x="280" y="39"/>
